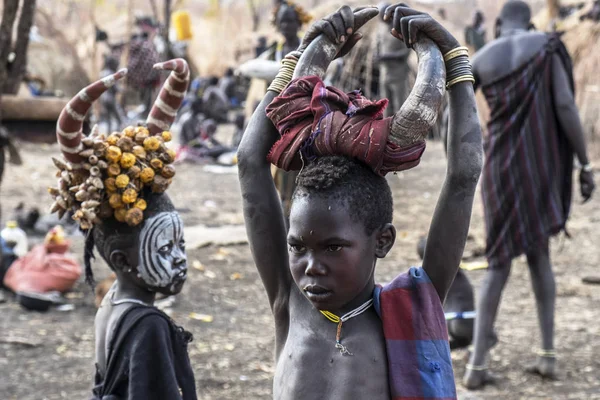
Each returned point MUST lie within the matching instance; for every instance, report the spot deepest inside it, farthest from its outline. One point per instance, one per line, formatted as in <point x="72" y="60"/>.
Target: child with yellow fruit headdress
<point x="115" y="186"/>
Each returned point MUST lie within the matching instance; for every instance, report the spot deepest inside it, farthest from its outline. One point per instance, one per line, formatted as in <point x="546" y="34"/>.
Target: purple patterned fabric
<point x="527" y="175"/>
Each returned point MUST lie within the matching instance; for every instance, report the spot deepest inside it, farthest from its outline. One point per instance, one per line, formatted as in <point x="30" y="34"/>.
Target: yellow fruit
<point x="110" y="185"/>
<point x="151" y="143"/>
<point x="166" y="135"/>
<point x="140" y="137"/>
<point x="113" y="170"/>
<point x="139" y="152"/>
<point x="134" y="172"/>
<point x="147" y="175"/>
<point x="141" y="204"/>
<point x="168" y="171"/>
<point x="127" y="160"/>
<point x="115" y="200"/>
<point x="129" y="131"/>
<point x="156" y="163"/>
<point x="112" y="140"/>
<point x="120" y="214"/>
<point x="134" y="216"/>
<point x="113" y="154"/>
<point x="129" y="196"/>
<point x="172" y="155"/>
<point x="122" y="181"/>
<point x="160" y="184"/>
<point x="125" y="144"/>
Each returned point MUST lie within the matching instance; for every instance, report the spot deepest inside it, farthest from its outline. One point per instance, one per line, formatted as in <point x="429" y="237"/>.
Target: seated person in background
<point x="338" y="335"/>
<point x="197" y="138"/>
<point x="191" y="127"/>
<point x="227" y="85"/>
<point x="140" y="353"/>
<point x="215" y="101"/>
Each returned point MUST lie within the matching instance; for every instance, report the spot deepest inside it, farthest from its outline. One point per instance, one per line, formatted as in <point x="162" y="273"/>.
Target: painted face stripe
<point x="147" y="274"/>
<point x="150" y="250"/>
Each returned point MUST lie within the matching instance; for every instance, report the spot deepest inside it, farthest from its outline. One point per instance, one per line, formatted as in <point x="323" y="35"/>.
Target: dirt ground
<point x="50" y="356"/>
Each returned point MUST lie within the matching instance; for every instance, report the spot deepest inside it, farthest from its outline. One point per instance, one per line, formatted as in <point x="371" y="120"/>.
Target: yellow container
<point x="183" y="25"/>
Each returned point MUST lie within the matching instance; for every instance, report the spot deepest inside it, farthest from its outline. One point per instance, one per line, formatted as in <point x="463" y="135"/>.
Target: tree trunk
<point x="19" y="67"/>
<point x="255" y="16"/>
<point x="553" y="8"/>
<point x="168" y="52"/>
<point x="8" y="19"/>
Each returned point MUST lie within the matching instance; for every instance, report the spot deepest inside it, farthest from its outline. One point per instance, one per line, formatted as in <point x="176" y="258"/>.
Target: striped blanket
<point x="416" y="337"/>
<point x="527" y="175"/>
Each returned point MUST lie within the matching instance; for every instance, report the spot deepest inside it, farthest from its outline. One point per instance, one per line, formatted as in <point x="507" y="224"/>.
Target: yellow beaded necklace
<point x="340" y="320"/>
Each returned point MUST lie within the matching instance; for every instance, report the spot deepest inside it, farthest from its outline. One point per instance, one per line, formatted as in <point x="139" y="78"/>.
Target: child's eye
<point x="295" y="248"/>
<point x="165" y="248"/>
<point x="334" y="248"/>
<point x="182" y="244"/>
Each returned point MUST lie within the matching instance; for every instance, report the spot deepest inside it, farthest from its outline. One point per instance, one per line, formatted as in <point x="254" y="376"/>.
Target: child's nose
<point x="314" y="267"/>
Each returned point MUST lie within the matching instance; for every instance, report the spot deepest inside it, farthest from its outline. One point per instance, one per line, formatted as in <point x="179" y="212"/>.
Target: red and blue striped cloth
<point x="527" y="175"/>
<point x="416" y="336"/>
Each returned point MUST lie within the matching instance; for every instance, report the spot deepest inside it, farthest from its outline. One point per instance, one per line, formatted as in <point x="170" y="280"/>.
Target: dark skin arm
<point x="452" y="216"/>
<point x="263" y="213"/>
<point x="568" y="117"/>
<point x="262" y="209"/>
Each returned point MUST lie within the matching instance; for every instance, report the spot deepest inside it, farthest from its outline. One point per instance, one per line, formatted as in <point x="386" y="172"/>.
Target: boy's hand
<point x="407" y="23"/>
<point x="340" y="27"/>
<point x="587" y="185"/>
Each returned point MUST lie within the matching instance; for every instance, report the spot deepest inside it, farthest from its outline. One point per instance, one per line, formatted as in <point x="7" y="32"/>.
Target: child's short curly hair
<point x="366" y="194"/>
<point x="303" y="16"/>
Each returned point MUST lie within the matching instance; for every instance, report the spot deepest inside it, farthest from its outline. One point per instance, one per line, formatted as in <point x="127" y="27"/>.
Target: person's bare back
<point x="506" y="55"/>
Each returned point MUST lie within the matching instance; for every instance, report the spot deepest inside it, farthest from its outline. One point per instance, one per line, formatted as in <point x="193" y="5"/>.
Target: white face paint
<point x="162" y="259"/>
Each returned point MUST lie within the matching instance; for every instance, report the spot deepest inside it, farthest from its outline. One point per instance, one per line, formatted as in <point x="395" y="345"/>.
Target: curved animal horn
<point x="419" y="112"/>
<point x="321" y="52"/>
<point x="70" y="121"/>
<point x="170" y="97"/>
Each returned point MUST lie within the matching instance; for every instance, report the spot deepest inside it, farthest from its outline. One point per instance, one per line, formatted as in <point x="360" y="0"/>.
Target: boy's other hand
<point x="407" y="23"/>
<point x="587" y="185"/>
<point x="340" y="27"/>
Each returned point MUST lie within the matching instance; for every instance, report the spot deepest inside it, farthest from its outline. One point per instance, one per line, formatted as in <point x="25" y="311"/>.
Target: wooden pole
<point x="553" y="8"/>
<point x="167" y="29"/>
<point x="9" y="13"/>
<point x="125" y="56"/>
<point x="94" y="67"/>
<point x="154" y="10"/>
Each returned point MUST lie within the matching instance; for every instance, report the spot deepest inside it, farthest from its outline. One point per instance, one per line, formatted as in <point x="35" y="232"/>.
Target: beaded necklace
<point x="340" y="320"/>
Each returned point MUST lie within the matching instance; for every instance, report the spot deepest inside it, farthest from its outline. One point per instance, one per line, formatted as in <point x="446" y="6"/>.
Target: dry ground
<point x="232" y="355"/>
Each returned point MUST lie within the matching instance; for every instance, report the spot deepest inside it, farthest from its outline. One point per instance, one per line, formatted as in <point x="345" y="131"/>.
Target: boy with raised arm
<point x="339" y="335"/>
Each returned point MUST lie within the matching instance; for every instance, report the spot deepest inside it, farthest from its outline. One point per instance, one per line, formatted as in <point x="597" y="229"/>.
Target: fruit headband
<point x="104" y="176"/>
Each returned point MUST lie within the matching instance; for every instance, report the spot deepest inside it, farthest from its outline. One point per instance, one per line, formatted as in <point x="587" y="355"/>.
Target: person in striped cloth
<point x="533" y="133"/>
<point x="339" y="335"/>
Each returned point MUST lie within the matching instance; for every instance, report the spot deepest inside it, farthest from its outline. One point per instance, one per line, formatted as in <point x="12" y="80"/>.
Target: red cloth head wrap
<point x="315" y="120"/>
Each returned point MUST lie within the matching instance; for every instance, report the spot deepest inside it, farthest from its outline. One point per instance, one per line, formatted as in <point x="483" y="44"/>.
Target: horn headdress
<point x="418" y="114"/>
<point x="105" y="176"/>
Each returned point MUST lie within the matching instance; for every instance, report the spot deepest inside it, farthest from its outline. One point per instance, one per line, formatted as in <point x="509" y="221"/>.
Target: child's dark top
<point x="147" y="359"/>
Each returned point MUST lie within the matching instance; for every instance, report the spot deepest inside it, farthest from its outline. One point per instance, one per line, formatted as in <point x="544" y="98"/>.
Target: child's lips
<point x="317" y="293"/>
<point x="181" y="275"/>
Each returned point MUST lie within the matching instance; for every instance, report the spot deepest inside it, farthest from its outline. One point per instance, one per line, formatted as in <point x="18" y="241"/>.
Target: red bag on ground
<point x="45" y="268"/>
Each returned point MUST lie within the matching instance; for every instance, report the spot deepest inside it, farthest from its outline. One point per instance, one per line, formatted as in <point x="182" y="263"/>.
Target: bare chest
<point x="311" y="367"/>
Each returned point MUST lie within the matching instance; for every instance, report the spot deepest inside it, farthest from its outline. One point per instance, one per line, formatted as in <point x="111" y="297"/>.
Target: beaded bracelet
<point x="285" y="74"/>
<point x="458" y="67"/>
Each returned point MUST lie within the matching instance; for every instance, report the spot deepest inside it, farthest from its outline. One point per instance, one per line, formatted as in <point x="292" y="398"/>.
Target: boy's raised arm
<point x="262" y="209"/>
<point x="263" y="213"/>
<point x="450" y="224"/>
